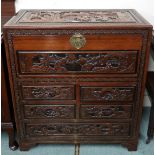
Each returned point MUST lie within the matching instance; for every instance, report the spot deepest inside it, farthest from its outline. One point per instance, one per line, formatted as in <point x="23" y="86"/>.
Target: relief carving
<point x="77" y="16"/>
<point x="107" y="93"/>
<point x="100" y="111"/>
<point x="25" y="32"/>
<point x="49" y="112"/>
<point x="106" y="129"/>
<point x="48" y="92"/>
<point x="115" y="62"/>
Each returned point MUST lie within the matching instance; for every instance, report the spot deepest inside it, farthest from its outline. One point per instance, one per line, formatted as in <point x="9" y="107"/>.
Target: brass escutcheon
<point x="78" y="41"/>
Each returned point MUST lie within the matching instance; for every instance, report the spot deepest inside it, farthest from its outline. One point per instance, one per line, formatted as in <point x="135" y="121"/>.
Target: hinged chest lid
<point x="76" y="19"/>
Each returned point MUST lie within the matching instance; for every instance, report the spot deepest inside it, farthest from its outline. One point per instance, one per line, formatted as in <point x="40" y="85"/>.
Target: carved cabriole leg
<point x="25" y="146"/>
<point x="131" y="146"/>
<point x="12" y="143"/>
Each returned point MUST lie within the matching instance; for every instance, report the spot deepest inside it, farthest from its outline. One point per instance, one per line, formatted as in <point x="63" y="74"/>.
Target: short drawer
<point x="50" y="111"/>
<point x="108" y="92"/>
<point x="106" y="111"/>
<point x="56" y="92"/>
<point x="83" y="129"/>
<point x="48" y="62"/>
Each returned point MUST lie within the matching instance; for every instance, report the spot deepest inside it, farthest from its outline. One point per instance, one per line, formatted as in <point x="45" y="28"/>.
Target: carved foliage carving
<point x="77" y="16"/>
<point x="112" y="62"/>
<point x="49" y="111"/>
<point x="45" y="92"/>
<point x="107" y="93"/>
<point x="106" y="129"/>
<point x="100" y="111"/>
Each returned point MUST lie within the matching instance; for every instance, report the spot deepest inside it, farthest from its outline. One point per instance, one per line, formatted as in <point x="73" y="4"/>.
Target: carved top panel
<point x="76" y="17"/>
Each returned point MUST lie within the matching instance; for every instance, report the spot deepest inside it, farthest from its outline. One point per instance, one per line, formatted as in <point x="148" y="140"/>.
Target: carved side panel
<point x="105" y="111"/>
<point x="106" y="129"/>
<point x="48" y="92"/>
<point x="47" y="111"/>
<point x="107" y="93"/>
<point x="103" y="62"/>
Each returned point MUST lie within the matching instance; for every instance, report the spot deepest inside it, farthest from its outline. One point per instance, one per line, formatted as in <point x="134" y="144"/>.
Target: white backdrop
<point x="144" y="7"/>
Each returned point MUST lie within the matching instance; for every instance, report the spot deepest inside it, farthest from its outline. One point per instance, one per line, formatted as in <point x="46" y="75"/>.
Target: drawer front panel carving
<point x="106" y="129"/>
<point x="106" y="111"/>
<point x="100" y="62"/>
<point x="107" y="93"/>
<point x="48" y="92"/>
<point x="47" y="111"/>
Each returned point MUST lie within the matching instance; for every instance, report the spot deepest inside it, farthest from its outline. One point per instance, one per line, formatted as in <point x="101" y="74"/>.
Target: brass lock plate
<point x="78" y="41"/>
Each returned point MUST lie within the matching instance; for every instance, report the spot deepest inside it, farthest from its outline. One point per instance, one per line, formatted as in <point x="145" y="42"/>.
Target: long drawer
<point x="50" y="62"/>
<point x="104" y="129"/>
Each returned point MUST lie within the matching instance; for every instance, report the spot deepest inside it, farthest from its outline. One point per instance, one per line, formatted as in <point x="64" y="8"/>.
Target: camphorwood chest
<point x="77" y="76"/>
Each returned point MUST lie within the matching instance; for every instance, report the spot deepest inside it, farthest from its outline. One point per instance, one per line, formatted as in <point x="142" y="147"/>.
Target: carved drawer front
<point x="103" y="129"/>
<point x="56" y="92"/>
<point x="108" y="92"/>
<point x="106" y="111"/>
<point x="43" y="62"/>
<point x="48" y="111"/>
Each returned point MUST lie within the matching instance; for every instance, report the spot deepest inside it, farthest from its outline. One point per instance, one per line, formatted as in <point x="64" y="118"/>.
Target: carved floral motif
<point x="77" y="16"/>
<point x="48" y="92"/>
<point x="107" y="93"/>
<point x="107" y="129"/>
<point x="100" y="111"/>
<point x="49" y="111"/>
<point x="114" y="62"/>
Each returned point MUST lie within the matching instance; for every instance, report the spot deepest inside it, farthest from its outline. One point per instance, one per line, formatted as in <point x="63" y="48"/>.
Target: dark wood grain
<point x="94" y="42"/>
<point x="108" y="104"/>
<point x="109" y="94"/>
<point x="52" y="112"/>
<point x="43" y="62"/>
<point x="8" y="7"/>
<point x="105" y="111"/>
<point x="106" y="129"/>
<point x="57" y="92"/>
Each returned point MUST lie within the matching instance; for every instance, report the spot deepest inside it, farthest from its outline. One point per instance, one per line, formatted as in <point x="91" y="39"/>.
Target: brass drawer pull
<point x="77" y="41"/>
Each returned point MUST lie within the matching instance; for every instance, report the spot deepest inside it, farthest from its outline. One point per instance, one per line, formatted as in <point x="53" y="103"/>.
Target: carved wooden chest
<point x="77" y="76"/>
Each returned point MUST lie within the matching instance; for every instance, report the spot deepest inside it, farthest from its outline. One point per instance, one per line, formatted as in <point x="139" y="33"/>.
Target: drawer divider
<point x="77" y="99"/>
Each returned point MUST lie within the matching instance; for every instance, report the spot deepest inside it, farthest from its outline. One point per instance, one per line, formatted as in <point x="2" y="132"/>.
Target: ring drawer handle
<point x="77" y="41"/>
